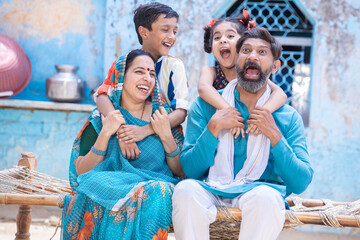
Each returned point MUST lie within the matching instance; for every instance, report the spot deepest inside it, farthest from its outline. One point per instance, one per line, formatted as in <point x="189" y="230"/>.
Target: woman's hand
<point x="160" y="123"/>
<point x="161" y="126"/>
<point x="112" y="122"/>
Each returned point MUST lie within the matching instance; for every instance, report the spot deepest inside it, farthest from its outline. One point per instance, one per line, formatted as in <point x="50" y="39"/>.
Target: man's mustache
<point x="252" y="64"/>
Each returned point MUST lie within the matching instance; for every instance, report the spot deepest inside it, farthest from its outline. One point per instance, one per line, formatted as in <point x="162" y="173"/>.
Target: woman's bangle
<point x="174" y="153"/>
<point x="98" y="152"/>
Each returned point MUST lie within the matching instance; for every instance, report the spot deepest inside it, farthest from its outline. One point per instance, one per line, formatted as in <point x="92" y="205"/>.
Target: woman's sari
<point x="120" y="198"/>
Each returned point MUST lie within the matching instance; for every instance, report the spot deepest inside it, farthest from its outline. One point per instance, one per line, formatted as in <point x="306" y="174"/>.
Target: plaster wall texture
<point x="56" y="32"/>
<point x="48" y="134"/>
<point x="334" y="130"/>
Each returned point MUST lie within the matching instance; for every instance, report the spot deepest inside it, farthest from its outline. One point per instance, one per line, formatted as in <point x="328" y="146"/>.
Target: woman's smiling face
<point x="139" y="79"/>
<point x="224" y="39"/>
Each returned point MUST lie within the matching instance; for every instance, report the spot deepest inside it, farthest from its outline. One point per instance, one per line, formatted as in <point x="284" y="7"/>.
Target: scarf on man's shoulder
<point x="221" y="174"/>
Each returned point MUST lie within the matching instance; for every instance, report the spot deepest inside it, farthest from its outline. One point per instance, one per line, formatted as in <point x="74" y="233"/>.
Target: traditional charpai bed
<point x="24" y="186"/>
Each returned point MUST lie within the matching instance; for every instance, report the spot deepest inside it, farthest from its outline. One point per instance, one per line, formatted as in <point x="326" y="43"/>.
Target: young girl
<point x="220" y="39"/>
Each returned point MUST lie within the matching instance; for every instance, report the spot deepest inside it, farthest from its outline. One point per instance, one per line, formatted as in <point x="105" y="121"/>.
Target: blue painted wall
<point x="334" y="132"/>
<point x="57" y="32"/>
<point x="48" y="134"/>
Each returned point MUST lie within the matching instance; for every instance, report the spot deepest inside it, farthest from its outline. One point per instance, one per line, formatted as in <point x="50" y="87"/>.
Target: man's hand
<point x="131" y="133"/>
<point x="262" y="118"/>
<point x="225" y="119"/>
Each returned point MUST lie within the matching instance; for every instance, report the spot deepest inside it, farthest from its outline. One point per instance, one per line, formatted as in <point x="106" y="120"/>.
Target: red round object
<point x="15" y="67"/>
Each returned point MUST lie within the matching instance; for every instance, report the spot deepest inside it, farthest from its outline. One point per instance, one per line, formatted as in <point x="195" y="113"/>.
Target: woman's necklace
<point x="135" y="113"/>
<point x="142" y="112"/>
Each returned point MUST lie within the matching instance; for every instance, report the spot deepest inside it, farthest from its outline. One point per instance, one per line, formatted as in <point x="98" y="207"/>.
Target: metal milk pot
<point x="65" y="85"/>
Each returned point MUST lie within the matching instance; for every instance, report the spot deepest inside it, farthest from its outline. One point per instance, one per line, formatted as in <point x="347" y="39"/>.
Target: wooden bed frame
<point x="225" y="227"/>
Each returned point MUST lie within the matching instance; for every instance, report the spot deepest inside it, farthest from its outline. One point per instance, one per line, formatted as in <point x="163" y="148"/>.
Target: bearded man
<point x="254" y="173"/>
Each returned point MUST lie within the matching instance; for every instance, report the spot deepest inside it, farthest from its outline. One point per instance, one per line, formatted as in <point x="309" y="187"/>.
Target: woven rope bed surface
<point x="303" y="211"/>
<point x="20" y="185"/>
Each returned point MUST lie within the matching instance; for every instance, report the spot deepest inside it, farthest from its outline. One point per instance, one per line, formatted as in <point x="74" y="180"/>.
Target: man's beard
<point x="252" y="85"/>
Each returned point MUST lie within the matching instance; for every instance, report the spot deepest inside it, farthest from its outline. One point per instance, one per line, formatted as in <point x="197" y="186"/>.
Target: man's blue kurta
<point x="288" y="168"/>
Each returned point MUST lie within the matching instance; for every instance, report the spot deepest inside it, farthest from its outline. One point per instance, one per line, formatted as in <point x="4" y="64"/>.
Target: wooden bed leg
<point x="23" y="221"/>
<point x="23" y="218"/>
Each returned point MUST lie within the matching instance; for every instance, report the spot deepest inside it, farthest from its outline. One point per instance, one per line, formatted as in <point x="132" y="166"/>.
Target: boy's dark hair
<point x="133" y="54"/>
<point x="148" y="13"/>
<point x="240" y="23"/>
<point x="261" y="33"/>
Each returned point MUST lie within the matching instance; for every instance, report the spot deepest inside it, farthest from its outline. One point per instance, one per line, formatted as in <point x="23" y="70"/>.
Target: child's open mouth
<point x="225" y="53"/>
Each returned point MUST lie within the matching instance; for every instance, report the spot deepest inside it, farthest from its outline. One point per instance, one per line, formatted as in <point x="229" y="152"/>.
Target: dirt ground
<point x="42" y="217"/>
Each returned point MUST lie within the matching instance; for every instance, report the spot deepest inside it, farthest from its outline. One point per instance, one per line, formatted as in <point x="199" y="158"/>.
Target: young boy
<point x="156" y="27"/>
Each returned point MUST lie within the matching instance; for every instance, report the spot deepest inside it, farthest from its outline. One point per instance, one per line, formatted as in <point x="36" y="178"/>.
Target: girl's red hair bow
<point x="245" y="13"/>
<point x="251" y="24"/>
<point x="212" y="22"/>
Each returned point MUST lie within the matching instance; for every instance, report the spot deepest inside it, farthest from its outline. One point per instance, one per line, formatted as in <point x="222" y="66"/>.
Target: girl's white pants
<point x="194" y="209"/>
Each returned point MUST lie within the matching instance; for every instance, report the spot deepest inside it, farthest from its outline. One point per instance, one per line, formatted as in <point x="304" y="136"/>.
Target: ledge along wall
<point x="44" y="128"/>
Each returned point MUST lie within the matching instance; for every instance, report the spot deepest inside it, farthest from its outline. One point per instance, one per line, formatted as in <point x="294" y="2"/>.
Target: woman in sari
<point x="117" y="198"/>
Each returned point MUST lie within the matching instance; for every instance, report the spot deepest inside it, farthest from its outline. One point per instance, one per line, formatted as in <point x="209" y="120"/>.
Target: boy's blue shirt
<point x="170" y="72"/>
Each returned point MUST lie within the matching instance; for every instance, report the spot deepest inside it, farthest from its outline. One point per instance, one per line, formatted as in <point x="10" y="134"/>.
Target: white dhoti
<point x="194" y="209"/>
